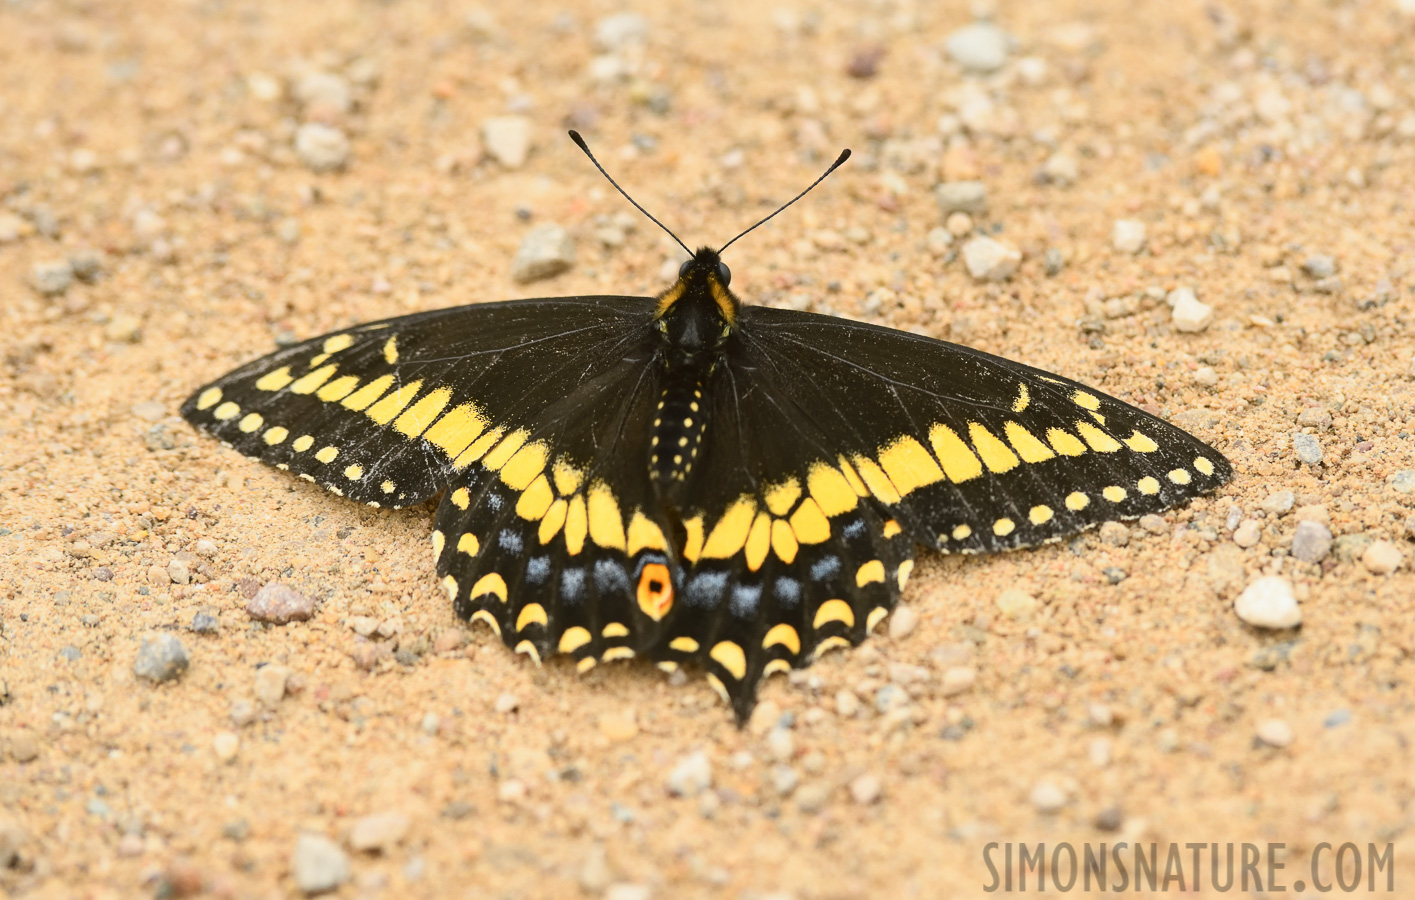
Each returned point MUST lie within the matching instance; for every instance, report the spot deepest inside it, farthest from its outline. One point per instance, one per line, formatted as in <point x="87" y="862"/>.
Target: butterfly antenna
<point x="839" y="161"/>
<point x="580" y="142"/>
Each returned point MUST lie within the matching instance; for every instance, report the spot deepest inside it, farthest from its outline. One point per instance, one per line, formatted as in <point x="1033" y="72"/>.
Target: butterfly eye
<point x="683" y="269"/>
<point x="724" y="273"/>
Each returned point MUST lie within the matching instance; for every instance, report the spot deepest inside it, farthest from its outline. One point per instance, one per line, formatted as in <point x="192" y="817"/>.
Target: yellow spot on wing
<point x="524" y="466"/>
<point x="535" y="499"/>
<point x="503" y="451"/>
<point x="1148" y="485"/>
<point x="996" y="455"/>
<point x="834" y="611"/>
<point x="576" y="525"/>
<point x="809" y="524"/>
<point x="274" y="380"/>
<point x="875" y="617"/>
<point x="482" y="615"/>
<point x="891" y="528"/>
<point x="962" y="532"/>
<point x="959" y="463"/>
<point x="477" y="448"/>
<point x="784" y="635"/>
<point x="468" y="544"/>
<point x="415" y="420"/>
<point x="773" y="666"/>
<point x="1203" y="465"/>
<point x="614" y="630"/>
<point x="1086" y="401"/>
<point x="1141" y="443"/>
<point x="530" y="650"/>
<point x="457" y="428"/>
<point x="905" y="569"/>
<point x="684" y="645"/>
<point x="875" y="479"/>
<point x="308" y="384"/>
<point x="730" y="656"/>
<point x="551" y="522"/>
<point x="833" y="642"/>
<point x="909" y="465"/>
<point x="250" y="422"/>
<point x="1179" y="476"/>
<point x="567" y="477"/>
<point x="693" y="542"/>
<point x="1003" y="527"/>
<point x="1040" y="515"/>
<point x="644" y="533"/>
<point x="394" y="403"/>
<point x="439" y="540"/>
<point x="461" y="498"/>
<point x="303" y="443"/>
<point x="354" y="473"/>
<point x="830" y="489"/>
<point x="871" y="571"/>
<point x="781" y="497"/>
<point x="390" y="350"/>
<point x="606" y="521"/>
<point x="1026" y="444"/>
<point x="1099" y="440"/>
<point x="337" y="389"/>
<point x="758" y="541"/>
<point x="315" y="361"/>
<point x="1077" y="501"/>
<point x="848" y="471"/>
<point x="338" y="342"/>
<point x="1023" y="398"/>
<point x="208" y="398"/>
<point x="574" y="638"/>
<point x="360" y="399"/>
<point x="1064" y="442"/>
<point x="1114" y="493"/>
<point x="275" y="435"/>
<point x="489" y="584"/>
<point x="730" y="532"/>
<point x="327" y="454"/>
<point x="227" y="410"/>
<point x="388" y="487"/>
<point x="783" y="542"/>
<point x="531" y="614"/>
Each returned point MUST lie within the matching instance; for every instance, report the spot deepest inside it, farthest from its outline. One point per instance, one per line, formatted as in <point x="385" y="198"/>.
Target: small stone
<point x="545" y="251"/>
<point x="1204" y="375"/>
<point x="865" y="789"/>
<point x="621" y="31"/>
<point x="1114" y="534"/>
<point x="123" y="329"/>
<point x="13" y="227"/>
<point x="847" y="704"/>
<point x="1017" y="605"/>
<point x="226" y="744"/>
<point x="961" y="196"/>
<point x="242" y="713"/>
<point x="890" y="698"/>
<point x="161" y="658"/>
<point x="864" y="63"/>
<point x="1099" y="751"/>
<point x="958" y="679"/>
<point x="1047" y="798"/>
<point x="1154" y="524"/>
<point x="322" y="148"/>
<point x="990" y="260"/>
<point x="205" y="623"/>
<point x="1128" y="235"/>
<point x="782" y="746"/>
<point x="619" y="726"/>
<point x="379" y="832"/>
<point x="507" y="702"/>
<point x="178" y="572"/>
<point x="450" y="640"/>
<point x="1274" y="733"/>
<point x="1319" y="265"/>
<point x="53" y="277"/>
<point x="325" y="93"/>
<point x="625" y="890"/>
<point x="1247" y="534"/>
<point x="23" y="747"/>
<point x="206" y="548"/>
<point x="279" y="604"/>
<point x="1381" y="558"/>
<point x="1402" y="482"/>
<point x="507" y="139"/>
<point x="902" y="622"/>
<point x="811" y="798"/>
<point x="362" y="625"/>
<point x="1054" y="261"/>
<point x="1060" y="168"/>
<point x="269" y="685"/>
<point x="784" y="780"/>
<point x="939" y="241"/>
<point x="1307" y="447"/>
<point x="1269" y="603"/>
<point x="958" y="224"/>
<point x="1190" y="315"/>
<point x="1279" y="502"/>
<point x="981" y="47"/>
<point x="87" y="265"/>
<point x="1100" y="715"/>
<point x="1110" y="819"/>
<point x="288" y="230"/>
<point x="318" y="864"/>
<point x="1312" y="541"/>
<point x="691" y="776"/>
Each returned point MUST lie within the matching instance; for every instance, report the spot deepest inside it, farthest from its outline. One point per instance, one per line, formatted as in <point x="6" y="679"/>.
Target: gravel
<point x="1279" y="502"/>
<point x="1382" y="558"/>
<point x="1311" y="542"/>
<point x="1248" y="533"/>
<point x="279" y="604"/>
<point x="507" y="139"/>
<point x="981" y="47"/>
<point x="1061" y="169"/>
<point x="161" y="658"/>
<point x="270" y="682"/>
<point x="379" y="832"/>
<point x="691" y="776"/>
<point x="324" y="93"/>
<point x="990" y="260"/>
<point x="546" y="251"/>
<point x="318" y="864"/>
<point x="205" y="623"/>
<point x="961" y="196"/>
<point x="1190" y="314"/>
<point x="1269" y="603"/>
<point x="1128" y="236"/>
<point x="1307" y="447"/>
<point x="52" y="277"/>
<point x="1319" y="265"/>
<point x="958" y="680"/>
<point x="322" y="148"/>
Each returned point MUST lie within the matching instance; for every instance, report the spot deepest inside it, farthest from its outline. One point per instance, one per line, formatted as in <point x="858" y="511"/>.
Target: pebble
<point x="242" y="713"/>
<point x="980" y="47"/>
<point x="13" y="227"/>
<point x="1319" y="265"/>
<point x="1060" y="168"/>
<point x="1016" y="605"/>
<point x="957" y="680"/>
<point x="1114" y="534"/>
<point x="1128" y="235"/>
<point x="958" y="224"/>
<point x="204" y="547"/>
<point x="269" y="685"/>
<point x="87" y="265"/>
<point x="545" y="251"/>
<point x="507" y="139"/>
<point x="1190" y="315"/>
<point x="811" y="798"/>
<point x="1381" y="558"/>
<point x="178" y="572"/>
<point x="865" y="789"/>
<point x="24" y="748"/>
<point x="1054" y="261"/>
<point x="847" y="704"/>
<point x="1279" y="502"/>
<point x="450" y="640"/>
<point x="1274" y="733"/>
<point x="325" y="92"/>
<point x="507" y="703"/>
<point x="938" y="241"/>
<point x="226" y="744"/>
<point x="620" y="31"/>
<point x="1307" y="447"/>
<point x="1402" y="482"/>
<point x="1269" y="603"/>
<point x="619" y="726"/>
<point x="1047" y="797"/>
<point x="961" y="196"/>
<point x="1312" y="542"/>
<point x="781" y="745"/>
<point x="1154" y="524"/>
<point x="1204" y="375"/>
<point x="379" y="832"/>
<point x="784" y="780"/>
<point x="52" y="277"/>
<point x="161" y="658"/>
<point x="628" y="890"/>
<point x="691" y="776"/>
<point x="1248" y="533"/>
<point x="1100" y="715"/>
<point x="318" y="864"/>
<point x="279" y="604"/>
<point x="990" y="260"/>
<point x="902" y="622"/>
<point x="322" y="148"/>
<point x="891" y="697"/>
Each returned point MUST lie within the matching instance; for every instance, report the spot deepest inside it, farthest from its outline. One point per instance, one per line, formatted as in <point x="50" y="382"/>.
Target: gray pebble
<point x="546" y="251"/>
<point x="1319" y="265"/>
<point x="1054" y="261"/>
<point x="1154" y="524"/>
<point x="278" y="603"/>
<point x="980" y="47"/>
<point x="891" y="697"/>
<point x="784" y="779"/>
<point x="1336" y="718"/>
<point x="53" y="277"/>
<point x="691" y="776"/>
<point x="323" y="148"/>
<point x="162" y="658"/>
<point x="318" y="864"/>
<point x="205" y="623"/>
<point x="87" y="265"/>
<point x="1403" y="482"/>
<point x="1312" y="542"/>
<point x="70" y="652"/>
<point x="1114" y="533"/>
<point x="159" y="437"/>
<point x="1308" y="448"/>
<point x="961" y="196"/>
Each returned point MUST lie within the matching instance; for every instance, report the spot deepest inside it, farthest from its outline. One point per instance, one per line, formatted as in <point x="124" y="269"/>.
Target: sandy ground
<point x="149" y="148"/>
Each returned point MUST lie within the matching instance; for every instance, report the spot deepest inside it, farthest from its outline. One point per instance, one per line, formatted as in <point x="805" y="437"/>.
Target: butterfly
<point x="691" y="479"/>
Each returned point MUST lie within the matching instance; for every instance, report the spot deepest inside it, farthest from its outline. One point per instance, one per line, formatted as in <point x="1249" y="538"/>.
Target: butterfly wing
<point x="382" y="413"/>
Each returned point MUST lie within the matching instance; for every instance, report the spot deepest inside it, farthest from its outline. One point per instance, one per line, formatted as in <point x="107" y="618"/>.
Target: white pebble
<point x="990" y="260"/>
<point x="957" y="679"/>
<point x="902" y="622"/>
<point x="1016" y="605"/>
<point x="1274" y="733"/>
<point x="691" y="776"/>
<point x="1190" y="315"/>
<point x="545" y="251"/>
<point x="866" y="789"/>
<point x="270" y="684"/>
<point x="1047" y="797"/>
<point x="621" y="30"/>
<point x="1269" y="603"/>
<point x="318" y="864"/>
<point x="507" y="139"/>
<point x="379" y="832"/>
<point x="1099" y="752"/>
<point x="1248" y="533"/>
<point x="226" y="744"/>
<point x="323" y="148"/>
<point x="847" y="705"/>
<point x="506" y="703"/>
<point x="980" y="47"/>
<point x="1204" y="375"/>
<point x="325" y="91"/>
<point x="1128" y="235"/>
<point x="1381" y="558"/>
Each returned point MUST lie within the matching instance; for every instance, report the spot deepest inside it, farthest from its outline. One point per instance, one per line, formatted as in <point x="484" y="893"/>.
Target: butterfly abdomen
<point x="679" y="423"/>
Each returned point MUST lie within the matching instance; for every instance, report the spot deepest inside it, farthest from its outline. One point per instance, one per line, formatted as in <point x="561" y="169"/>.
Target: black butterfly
<point x="689" y="479"/>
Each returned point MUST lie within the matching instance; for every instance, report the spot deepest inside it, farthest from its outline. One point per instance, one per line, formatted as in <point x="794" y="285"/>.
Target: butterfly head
<point x="697" y="314"/>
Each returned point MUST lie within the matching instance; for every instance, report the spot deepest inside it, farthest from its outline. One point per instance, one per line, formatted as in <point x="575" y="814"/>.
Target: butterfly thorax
<point x="695" y="319"/>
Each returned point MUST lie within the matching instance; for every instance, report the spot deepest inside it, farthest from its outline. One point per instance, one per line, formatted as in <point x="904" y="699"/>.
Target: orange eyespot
<point x="655" y="591"/>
